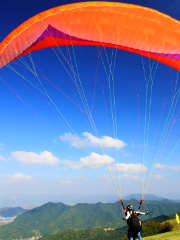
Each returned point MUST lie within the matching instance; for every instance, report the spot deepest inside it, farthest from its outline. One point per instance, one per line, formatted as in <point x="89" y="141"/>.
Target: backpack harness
<point x="134" y="222"/>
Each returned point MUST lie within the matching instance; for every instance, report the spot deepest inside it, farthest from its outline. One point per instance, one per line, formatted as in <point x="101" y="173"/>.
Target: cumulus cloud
<point x="72" y="180"/>
<point x="76" y="165"/>
<point x="129" y="168"/>
<point x="90" y="140"/>
<point x="95" y="160"/>
<point x="45" y="158"/>
<point x="168" y="167"/>
<point x="19" y="176"/>
<point x="92" y="161"/>
<point x="3" y="158"/>
<point x="72" y="139"/>
<point x="133" y="177"/>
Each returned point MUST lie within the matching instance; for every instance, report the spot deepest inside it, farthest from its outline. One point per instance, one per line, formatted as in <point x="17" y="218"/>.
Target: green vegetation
<point x="11" y="212"/>
<point x="152" y="227"/>
<point x="89" y="234"/>
<point x="172" y="235"/>
<point x="58" y="218"/>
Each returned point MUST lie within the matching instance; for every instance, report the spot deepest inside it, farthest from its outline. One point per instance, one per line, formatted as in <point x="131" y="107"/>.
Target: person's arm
<point x="142" y="213"/>
<point x="127" y="216"/>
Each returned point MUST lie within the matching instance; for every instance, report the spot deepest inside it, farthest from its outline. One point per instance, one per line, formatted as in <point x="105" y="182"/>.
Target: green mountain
<point x="98" y="233"/>
<point x="11" y="212"/>
<point x="58" y="217"/>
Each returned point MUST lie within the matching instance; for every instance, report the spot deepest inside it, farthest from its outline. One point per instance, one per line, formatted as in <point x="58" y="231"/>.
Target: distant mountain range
<point x="149" y="197"/>
<point x="11" y="212"/>
<point x="58" y="217"/>
<point x="33" y="200"/>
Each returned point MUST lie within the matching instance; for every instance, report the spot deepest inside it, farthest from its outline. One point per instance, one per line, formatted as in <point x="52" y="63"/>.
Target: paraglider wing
<point x="124" y="26"/>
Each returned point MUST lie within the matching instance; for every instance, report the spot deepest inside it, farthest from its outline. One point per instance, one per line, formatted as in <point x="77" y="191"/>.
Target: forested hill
<point x="58" y="217"/>
<point x="121" y="233"/>
<point x="11" y="212"/>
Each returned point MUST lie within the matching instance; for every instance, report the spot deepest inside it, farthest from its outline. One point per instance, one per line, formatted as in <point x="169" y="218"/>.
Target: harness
<point x="134" y="223"/>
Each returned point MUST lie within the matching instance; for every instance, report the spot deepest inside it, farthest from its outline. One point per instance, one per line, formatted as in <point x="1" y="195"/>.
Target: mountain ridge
<point x="11" y="212"/>
<point x="58" y="217"/>
<point x="34" y="200"/>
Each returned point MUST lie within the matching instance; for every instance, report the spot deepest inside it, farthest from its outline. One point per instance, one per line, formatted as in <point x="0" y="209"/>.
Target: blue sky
<point x="39" y="152"/>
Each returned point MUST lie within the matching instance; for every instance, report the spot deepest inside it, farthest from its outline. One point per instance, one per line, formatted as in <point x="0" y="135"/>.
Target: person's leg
<point x="134" y="236"/>
<point x="139" y="236"/>
<point x="131" y="237"/>
<point x="128" y="235"/>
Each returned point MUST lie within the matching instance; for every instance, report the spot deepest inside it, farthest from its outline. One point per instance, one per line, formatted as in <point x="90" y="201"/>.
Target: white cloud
<point x="95" y="160"/>
<point x="129" y="168"/>
<point x="3" y="158"/>
<point x="92" y="161"/>
<point x="158" y="177"/>
<point x="76" y="165"/>
<point x="61" y="168"/>
<point x="89" y="140"/>
<point x="168" y="167"/>
<point x="45" y="158"/>
<point x="66" y="181"/>
<point x="19" y="176"/>
<point x="72" y="180"/>
<point x="15" y="197"/>
<point x="108" y="177"/>
<point x="127" y="154"/>
<point x="126" y="176"/>
<point x="71" y="138"/>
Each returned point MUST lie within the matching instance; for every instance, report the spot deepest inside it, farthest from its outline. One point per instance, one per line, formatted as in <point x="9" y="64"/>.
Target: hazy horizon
<point x="50" y="144"/>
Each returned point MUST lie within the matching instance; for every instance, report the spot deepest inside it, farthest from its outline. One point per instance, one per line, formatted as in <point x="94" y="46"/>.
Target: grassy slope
<point x="173" y="235"/>
<point x="88" y="234"/>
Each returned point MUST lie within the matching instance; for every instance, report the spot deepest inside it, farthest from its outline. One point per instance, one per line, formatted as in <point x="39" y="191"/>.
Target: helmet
<point x="129" y="208"/>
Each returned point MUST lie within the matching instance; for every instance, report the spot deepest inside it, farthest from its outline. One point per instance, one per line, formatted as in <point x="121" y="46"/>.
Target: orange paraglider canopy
<point x="124" y="26"/>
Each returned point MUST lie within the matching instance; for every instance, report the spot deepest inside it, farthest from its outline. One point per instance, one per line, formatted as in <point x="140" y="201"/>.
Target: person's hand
<point x="147" y="212"/>
<point x="124" y="218"/>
